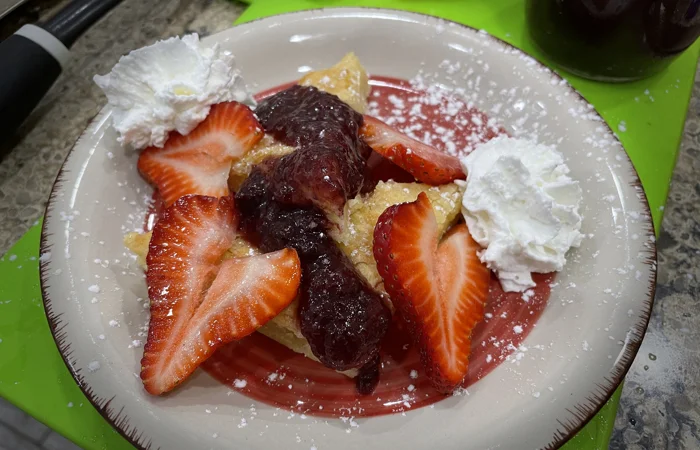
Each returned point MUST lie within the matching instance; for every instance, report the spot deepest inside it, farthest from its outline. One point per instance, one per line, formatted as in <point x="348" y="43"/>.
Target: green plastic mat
<point x="32" y="373"/>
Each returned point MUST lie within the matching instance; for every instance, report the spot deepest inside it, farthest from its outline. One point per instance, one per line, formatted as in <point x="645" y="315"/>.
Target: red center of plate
<point x="271" y="373"/>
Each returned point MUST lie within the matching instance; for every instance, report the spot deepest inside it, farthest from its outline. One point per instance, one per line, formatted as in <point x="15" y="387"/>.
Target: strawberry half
<point x="439" y="289"/>
<point x="200" y="162"/>
<point x="425" y="163"/>
<point x="199" y="303"/>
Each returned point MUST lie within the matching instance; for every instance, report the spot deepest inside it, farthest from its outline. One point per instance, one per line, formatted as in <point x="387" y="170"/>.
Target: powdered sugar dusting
<point x="436" y="115"/>
<point x="519" y="106"/>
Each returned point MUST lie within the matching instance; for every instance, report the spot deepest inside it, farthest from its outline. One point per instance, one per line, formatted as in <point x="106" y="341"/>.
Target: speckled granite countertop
<point x="660" y="405"/>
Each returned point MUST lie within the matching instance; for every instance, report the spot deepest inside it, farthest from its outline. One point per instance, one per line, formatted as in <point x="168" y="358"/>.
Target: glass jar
<point x="613" y="40"/>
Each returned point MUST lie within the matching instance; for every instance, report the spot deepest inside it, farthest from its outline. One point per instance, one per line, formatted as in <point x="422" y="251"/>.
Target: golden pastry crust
<point x="355" y="237"/>
<point x="268" y="147"/>
<point x="137" y="243"/>
<point x="284" y="328"/>
<point x="355" y="232"/>
<point x="347" y="79"/>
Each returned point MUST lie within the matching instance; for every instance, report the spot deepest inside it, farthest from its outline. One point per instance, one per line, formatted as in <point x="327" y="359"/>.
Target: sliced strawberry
<point x="439" y="289"/>
<point x="425" y="163"/>
<point x="199" y="303"/>
<point x="183" y="259"/>
<point x="199" y="163"/>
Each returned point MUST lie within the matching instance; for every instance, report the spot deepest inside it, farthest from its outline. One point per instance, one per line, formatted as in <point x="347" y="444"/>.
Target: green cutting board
<point x="32" y="373"/>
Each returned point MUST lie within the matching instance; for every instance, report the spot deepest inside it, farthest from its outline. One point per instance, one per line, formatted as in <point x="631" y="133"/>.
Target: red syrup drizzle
<point x="280" y="377"/>
<point x="319" y="391"/>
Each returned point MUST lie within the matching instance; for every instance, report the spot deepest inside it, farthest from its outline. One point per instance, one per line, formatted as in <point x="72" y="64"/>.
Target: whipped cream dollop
<point x="521" y="205"/>
<point x="168" y="86"/>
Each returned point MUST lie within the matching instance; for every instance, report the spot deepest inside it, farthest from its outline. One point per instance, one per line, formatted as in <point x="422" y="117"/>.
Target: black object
<point x="31" y="59"/>
<point x="70" y="22"/>
<point x="613" y="40"/>
<point x="28" y="71"/>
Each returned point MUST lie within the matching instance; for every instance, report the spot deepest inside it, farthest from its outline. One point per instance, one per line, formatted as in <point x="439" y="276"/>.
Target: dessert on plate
<point x="274" y="220"/>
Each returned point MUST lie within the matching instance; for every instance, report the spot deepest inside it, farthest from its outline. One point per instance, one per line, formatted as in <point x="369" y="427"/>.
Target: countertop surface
<point x="660" y="406"/>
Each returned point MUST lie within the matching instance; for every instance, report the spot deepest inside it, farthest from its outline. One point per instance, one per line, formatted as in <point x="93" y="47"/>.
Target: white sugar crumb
<point x="113" y="323"/>
<point x="94" y="366"/>
<point x="527" y="295"/>
<point x="536" y="394"/>
<point x="136" y="343"/>
<point x="46" y="256"/>
<point x="622" y="126"/>
<point x="585" y="346"/>
<point x="243" y="423"/>
<point x="489" y="358"/>
<point x="240" y="384"/>
<point x="101" y="337"/>
<point x="413" y="374"/>
<point x="12" y="257"/>
<point x="411" y="388"/>
<point x="518" y="329"/>
<point x="70" y="404"/>
<point x="459" y="392"/>
<point x="95" y="289"/>
<point x="396" y="101"/>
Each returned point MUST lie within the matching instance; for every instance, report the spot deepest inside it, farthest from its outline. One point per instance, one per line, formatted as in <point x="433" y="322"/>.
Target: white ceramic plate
<point x="574" y="358"/>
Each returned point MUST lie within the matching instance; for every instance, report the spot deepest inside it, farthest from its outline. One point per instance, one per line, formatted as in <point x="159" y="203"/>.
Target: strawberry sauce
<point x="278" y="376"/>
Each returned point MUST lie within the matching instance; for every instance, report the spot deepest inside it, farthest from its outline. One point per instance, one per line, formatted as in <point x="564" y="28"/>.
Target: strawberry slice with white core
<point x="438" y="288"/>
<point x="427" y="164"/>
<point x="200" y="162"/>
<point x="183" y="259"/>
<point x="199" y="303"/>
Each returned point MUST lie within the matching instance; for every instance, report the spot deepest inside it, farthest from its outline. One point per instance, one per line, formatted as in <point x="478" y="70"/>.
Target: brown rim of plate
<point x="115" y="418"/>
<point x="582" y="412"/>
